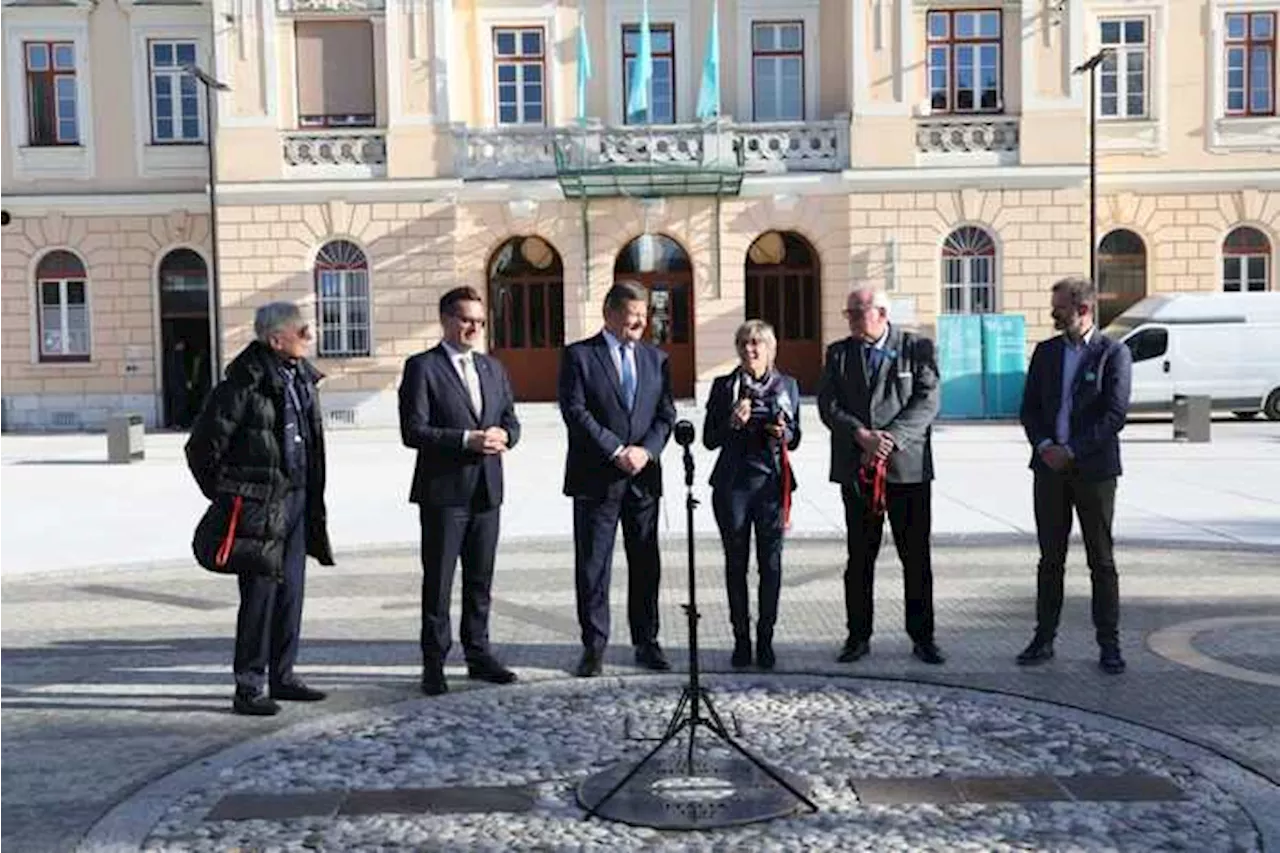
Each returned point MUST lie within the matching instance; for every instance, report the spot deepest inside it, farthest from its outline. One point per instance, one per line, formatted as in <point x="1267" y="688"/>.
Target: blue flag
<point x="641" y="73"/>
<point x="709" y="90"/>
<point x="584" y="62"/>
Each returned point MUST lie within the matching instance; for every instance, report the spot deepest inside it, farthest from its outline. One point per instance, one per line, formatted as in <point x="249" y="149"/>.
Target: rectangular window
<point x="1251" y="64"/>
<point x="662" y="88"/>
<point x="64" y="320"/>
<point x="1123" y="75"/>
<point x="964" y="61"/>
<point x="519" y="59"/>
<point x="344" y="312"/>
<point x="335" y="74"/>
<point x="51" y="93"/>
<point x="175" y="98"/>
<point x="777" y="71"/>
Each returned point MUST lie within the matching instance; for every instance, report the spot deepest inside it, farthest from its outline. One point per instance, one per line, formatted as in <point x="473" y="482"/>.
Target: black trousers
<point x="754" y="503"/>
<point x="909" y="507"/>
<point x="595" y="527"/>
<point x="450" y="533"/>
<point x="270" y="616"/>
<point x="1056" y="495"/>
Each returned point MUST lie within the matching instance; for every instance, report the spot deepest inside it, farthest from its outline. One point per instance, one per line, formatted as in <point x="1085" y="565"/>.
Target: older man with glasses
<point x="257" y="452"/>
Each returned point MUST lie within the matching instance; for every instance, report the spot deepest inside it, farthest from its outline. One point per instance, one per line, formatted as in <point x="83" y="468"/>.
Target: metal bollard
<point x="125" y="436"/>
<point x="1192" y="418"/>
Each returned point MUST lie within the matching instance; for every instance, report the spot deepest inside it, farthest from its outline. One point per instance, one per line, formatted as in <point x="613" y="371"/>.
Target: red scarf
<point x="872" y="478"/>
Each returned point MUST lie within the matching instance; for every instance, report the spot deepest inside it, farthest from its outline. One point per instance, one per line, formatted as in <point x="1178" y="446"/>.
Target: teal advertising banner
<point x="1004" y="363"/>
<point x="982" y="360"/>
<point x="960" y="365"/>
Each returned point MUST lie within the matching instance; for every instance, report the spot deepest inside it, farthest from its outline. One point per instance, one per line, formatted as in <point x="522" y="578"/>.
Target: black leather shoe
<point x="1038" y="652"/>
<point x="853" y="650"/>
<point x="650" y="656"/>
<point x="928" y="653"/>
<point x="254" y="704"/>
<point x="296" y="691"/>
<point x="1110" y="661"/>
<point x="433" y="683"/>
<point x="489" y="669"/>
<point x="741" y="654"/>
<point x="590" y="665"/>
<point x="764" y="655"/>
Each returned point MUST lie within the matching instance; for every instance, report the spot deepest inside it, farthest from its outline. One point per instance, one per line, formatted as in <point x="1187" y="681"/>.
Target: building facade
<point x="371" y="154"/>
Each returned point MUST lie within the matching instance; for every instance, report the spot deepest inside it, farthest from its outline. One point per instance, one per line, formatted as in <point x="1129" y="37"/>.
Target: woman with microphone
<point x="753" y="417"/>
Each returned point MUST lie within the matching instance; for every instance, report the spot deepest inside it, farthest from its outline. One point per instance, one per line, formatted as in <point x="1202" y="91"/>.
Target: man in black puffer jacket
<point x="257" y="452"/>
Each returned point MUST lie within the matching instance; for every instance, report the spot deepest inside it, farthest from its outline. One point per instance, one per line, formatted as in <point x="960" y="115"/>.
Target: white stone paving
<point x="60" y="508"/>
<point x="828" y="732"/>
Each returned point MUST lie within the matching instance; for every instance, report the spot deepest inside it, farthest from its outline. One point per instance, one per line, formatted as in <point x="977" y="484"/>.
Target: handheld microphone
<point x="684" y="433"/>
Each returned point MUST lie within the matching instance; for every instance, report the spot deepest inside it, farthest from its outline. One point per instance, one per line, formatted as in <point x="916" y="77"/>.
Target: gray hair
<point x="1081" y="291"/>
<point x="879" y="296"/>
<point x="756" y="330"/>
<point x="273" y="317"/>
<point x="623" y="292"/>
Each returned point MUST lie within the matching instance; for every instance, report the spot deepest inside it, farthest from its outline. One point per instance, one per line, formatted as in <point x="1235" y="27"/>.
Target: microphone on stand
<point x="684" y="438"/>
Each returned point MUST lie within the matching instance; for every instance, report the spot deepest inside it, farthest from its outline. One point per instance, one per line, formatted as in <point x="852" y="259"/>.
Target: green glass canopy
<point x="583" y="172"/>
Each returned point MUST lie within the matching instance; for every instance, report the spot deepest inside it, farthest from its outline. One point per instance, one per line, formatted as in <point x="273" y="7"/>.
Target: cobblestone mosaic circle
<point x="829" y="732"/>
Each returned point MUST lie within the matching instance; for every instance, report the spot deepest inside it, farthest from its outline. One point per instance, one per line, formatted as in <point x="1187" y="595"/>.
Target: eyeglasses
<point x="858" y="311"/>
<point x="478" y="322"/>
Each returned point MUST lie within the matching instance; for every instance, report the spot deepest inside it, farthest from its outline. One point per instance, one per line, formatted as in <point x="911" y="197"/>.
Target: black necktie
<point x="871" y="357"/>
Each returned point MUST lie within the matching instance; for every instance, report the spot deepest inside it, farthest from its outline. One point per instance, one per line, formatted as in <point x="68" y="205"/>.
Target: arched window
<point x="526" y="315"/>
<point x="1246" y="261"/>
<point x="1122" y="273"/>
<point x="62" y="311"/>
<point x="969" y="272"/>
<point x="342" y="299"/>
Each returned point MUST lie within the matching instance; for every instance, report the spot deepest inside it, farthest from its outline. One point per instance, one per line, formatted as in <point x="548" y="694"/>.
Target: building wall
<point x="121" y="255"/>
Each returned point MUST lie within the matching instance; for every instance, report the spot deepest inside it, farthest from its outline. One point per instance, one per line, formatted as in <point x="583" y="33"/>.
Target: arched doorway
<point x="662" y="266"/>
<point x="184" y="336"/>
<point x="526" y="315"/>
<point x="783" y="290"/>
<point x="1122" y="273"/>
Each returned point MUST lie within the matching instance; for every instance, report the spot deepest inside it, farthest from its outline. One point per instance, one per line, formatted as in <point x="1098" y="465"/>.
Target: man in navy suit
<point x="1074" y="405"/>
<point x="615" y="398"/>
<point x="458" y="412"/>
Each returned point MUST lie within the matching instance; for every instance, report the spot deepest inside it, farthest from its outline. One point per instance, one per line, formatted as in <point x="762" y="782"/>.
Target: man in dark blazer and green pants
<point x="879" y="398"/>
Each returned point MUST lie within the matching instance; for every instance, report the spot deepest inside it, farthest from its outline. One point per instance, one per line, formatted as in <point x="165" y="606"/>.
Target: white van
<point x="1222" y="345"/>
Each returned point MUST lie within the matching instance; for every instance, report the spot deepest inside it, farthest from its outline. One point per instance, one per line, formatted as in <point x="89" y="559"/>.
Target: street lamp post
<point x="1090" y="66"/>
<point x="212" y="84"/>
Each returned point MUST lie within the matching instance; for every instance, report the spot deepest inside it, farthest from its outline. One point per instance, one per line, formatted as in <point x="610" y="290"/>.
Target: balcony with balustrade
<point x="967" y="140"/>
<point x="516" y="152"/>
<point x="334" y="153"/>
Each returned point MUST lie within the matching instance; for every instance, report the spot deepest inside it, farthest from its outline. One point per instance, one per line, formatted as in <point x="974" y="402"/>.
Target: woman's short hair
<point x="756" y="330"/>
<point x="273" y="317"/>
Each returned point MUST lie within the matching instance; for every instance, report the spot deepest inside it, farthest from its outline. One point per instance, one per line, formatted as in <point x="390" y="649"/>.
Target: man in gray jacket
<point x="879" y="397"/>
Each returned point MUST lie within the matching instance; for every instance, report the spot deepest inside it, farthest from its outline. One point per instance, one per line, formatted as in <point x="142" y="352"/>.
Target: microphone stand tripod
<point x="689" y="713"/>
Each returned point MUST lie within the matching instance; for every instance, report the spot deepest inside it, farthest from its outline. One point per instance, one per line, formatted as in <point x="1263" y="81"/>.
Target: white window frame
<point x="514" y="14"/>
<point x="688" y="73"/>
<point x="38" y="354"/>
<point x="1229" y="133"/>
<point x="175" y="75"/>
<point x="48" y="24"/>
<point x="751" y="12"/>
<point x="1119" y="56"/>
<point x="344" y="300"/>
<point x="520" y="62"/>
<point x="1148" y="135"/>
<point x="166" y="23"/>
<point x="1243" y="280"/>
<point x="966" y="284"/>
